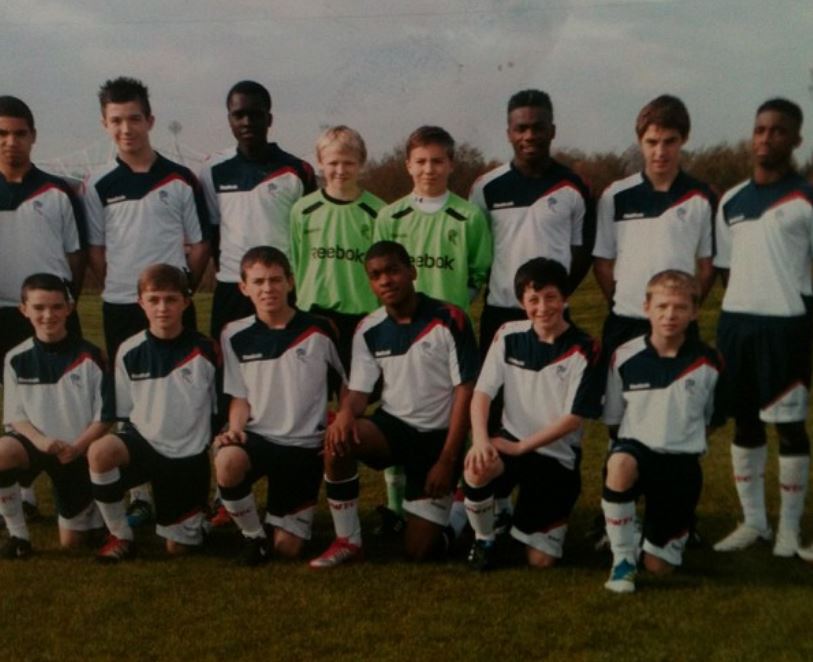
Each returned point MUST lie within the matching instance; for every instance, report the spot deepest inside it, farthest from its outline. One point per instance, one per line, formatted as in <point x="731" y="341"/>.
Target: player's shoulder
<point x="309" y="203"/>
<point x="461" y="209"/>
<point x="25" y="346"/>
<point x="701" y="353"/>
<point x="513" y="328"/>
<point x="302" y="168"/>
<point x="627" y="351"/>
<point x="491" y="175"/>
<point x="218" y="157"/>
<point x="448" y="314"/>
<point x="43" y="179"/>
<point x="237" y="326"/>
<point x="586" y="344"/>
<point x="91" y="351"/>
<point x="399" y="207"/>
<point x="623" y="184"/>
<point x="370" y="203"/>
<point x="132" y="343"/>
<point x="735" y="190"/>
<point x="566" y="176"/>
<point x="166" y="168"/>
<point x="102" y="172"/>
<point x="305" y="322"/>
<point x="372" y="319"/>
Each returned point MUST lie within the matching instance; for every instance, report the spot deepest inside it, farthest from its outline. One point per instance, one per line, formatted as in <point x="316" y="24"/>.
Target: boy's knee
<point x="622" y="472"/>
<point x="231" y="465"/>
<point x="105" y="453"/>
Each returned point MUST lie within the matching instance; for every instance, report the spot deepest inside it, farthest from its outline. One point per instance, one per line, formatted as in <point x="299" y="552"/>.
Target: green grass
<point x="61" y="605"/>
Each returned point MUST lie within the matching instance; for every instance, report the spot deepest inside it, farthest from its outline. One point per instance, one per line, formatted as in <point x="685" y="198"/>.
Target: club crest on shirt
<point x="38" y="206"/>
<point x="301" y="353"/>
<point x="76" y="379"/>
<point x="552" y="202"/>
<point x="186" y="375"/>
<point x="163" y="196"/>
<point x="689" y="385"/>
<point x="681" y="213"/>
<point x="271" y="188"/>
<point x="452" y="237"/>
<point x="561" y="371"/>
<point x="365" y="231"/>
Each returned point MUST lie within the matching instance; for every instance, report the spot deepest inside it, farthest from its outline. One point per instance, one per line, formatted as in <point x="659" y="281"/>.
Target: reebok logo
<point x="338" y="253"/>
<point x="228" y="187"/>
<point x="115" y="198"/>
<point x="635" y="387"/>
<point x="442" y="262"/>
<point x="633" y="215"/>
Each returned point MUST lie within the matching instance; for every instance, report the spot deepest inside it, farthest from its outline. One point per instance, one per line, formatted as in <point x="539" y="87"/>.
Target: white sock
<point x="28" y="495"/>
<point x="457" y="517"/>
<point x="481" y="517"/>
<point x="11" y="508"/>
<point x="114" y="514"/>
<point x="141" y="493"/>
<point x="619" y="521"/>
<point x="793" y="470"/>
<point x="503" y="505"/>
<point x="749" y="477"/>
<point x="244" y="513"/>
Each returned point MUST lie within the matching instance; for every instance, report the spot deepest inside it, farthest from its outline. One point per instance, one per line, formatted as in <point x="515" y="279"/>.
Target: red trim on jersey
<point x="307" y="333"/>
<point x="565" y="183"/>
<point x="42" y="189"/>
<point x="699" y="363"/>
<point x="457" y="315"/>
<point x="428" y="329"/>
<point x="793" y="195"/>
<point x="174" y="176"/>
<point x="186" y="516"/>
<point x="84" y="356"/>
<point x="573" y="350"/>
<point x="793" y="385"/>
<point x="285" y="170"/>
<point x="189" y="357"/>
<point x="695" y="192"/>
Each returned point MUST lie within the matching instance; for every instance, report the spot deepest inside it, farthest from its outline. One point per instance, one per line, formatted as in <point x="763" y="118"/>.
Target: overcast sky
<point x="388" y="66"/>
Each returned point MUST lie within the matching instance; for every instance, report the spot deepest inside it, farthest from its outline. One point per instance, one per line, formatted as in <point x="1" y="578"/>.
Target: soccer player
<point x="165" y="394"/>
<point x="660" y="394"/>
<point x="424" y="351"/>
<point x="537" y="208"/>
<point x="448" y="237"/>
<point x="42" y="229"/>
<point x="142" y="209"/>
<point x="331" y="230"/>
<point x="250" y="190"/>
<point x="547" y="369"/>
<point x="277" y="363"/>
<point x="657" y="219"/>
<point x="56" y="401"/>
<point x="764" y="239"/>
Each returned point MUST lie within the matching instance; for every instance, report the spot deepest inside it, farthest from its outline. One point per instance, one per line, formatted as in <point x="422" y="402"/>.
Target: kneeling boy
<point x="424" y="351"/>
<point x="56" y="401"/>
<point x="660" y="394"/>
<point x="165" y="394"/>
<point x="277" y="366"/>
<point x="546" y="368"/>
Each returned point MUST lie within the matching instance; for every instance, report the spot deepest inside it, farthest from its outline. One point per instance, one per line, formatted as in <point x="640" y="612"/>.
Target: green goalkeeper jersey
<point x="451" y="248"/>
<point x="329" y="239"/>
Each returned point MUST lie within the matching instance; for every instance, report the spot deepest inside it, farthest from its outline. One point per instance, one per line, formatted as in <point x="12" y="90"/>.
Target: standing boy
<point x="764" y="243"/>
<point x="448" y="237"/>
<point x="250" y="190"/>
<point x="277" y="364"/>
<point x="654" y="220"/>
<point x="56" y="402"/>
<point x="424" y="351"/>
<point x="659" y="399"/>
<point x="546" y="369"/>
<point x="331" y="230"/>
<point x="165" y="393"/>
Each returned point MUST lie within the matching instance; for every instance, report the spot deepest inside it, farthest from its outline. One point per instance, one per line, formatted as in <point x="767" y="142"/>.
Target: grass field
<point x="746" y="606"/>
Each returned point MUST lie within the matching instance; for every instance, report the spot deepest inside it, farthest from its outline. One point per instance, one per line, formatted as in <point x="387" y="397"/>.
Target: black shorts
<point x="180" y="485"/>
<point x="767" y="367"/>
<point x="14" y="328"/>
<point x="294" y="473"/>
<point x="670" y="484"/>
<point x="72" y="489"/>
<point x="417" y="452"/>
<point x="122" y="320"/>
<point x="547" y="489"/>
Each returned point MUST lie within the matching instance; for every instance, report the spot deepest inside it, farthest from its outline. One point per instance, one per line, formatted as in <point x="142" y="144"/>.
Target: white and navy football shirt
<point x="251" y="202"/>
<point x="41" y="220"/>
<point x="530" y="217"/>
<point x="283" y="373"/>
<point x="647" y="231"/>
<point x="542" y="382"/>
<point x="421" y="361"/>
<point x="143" y="218"/>
<point x="765" y="238"/>
<point x="166" y="389"/>
<point x="662" y="402"/>
<point x="60" y="388"/>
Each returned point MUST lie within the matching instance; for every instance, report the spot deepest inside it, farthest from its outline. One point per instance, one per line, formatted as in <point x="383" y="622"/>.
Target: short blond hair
<point x="344" y="138"/>
<point x="164" y="277"/>
<point x="674" y="280"/>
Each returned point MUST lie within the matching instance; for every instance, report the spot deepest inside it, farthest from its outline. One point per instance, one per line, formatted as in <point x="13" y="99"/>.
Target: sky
<point x="386" y="67"/>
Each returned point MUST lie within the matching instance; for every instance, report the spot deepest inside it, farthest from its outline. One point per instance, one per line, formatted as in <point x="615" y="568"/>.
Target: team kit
<point x="341" y="332"/>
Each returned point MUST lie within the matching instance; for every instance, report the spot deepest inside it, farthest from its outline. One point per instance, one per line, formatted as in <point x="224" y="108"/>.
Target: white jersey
<point x="530" y="217"/>
<point x="166" y="389"/>
<point x="765" y="238"/>
<point x="143" y="218"/>
<point x="421" y="362"/>
<point x="283" y="374"/>
<point x="41" y="220"/>
<point x="251" y="202"/>
<point x="542" y="382"/>
<point x="647" y="231"/>
<point x="664" y="403"/>
<point x="60" y="388"/>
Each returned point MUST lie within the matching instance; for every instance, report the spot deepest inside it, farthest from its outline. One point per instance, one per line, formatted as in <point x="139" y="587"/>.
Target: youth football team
<point x="327" y="291"/>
